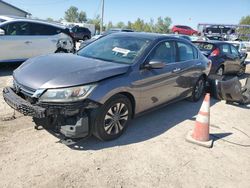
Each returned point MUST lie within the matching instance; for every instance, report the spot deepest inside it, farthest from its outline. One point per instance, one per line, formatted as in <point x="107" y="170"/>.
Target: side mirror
<point x="2" y="32"/>
<point x="155" y="65"/>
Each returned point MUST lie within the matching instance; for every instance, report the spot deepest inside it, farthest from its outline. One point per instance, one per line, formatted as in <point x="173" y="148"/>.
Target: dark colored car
<point x="218" y="29"/>
<point x="224" y="56"/>
<point x="185" y="30"/>
<point x="107" y="83"/>
<point x="96" y="37"/>
<point x="80" y="33"/>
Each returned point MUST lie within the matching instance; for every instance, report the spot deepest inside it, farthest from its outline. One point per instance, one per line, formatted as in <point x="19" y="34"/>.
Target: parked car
<point x="108" y="32"/>
<point x="185" y="30"/>
<point x="22" y="38"/>
<point x="80" y="33"/>
<point x="224" y="56"/>
<point x="107" y="83"/>
<point x="218" y="30"/>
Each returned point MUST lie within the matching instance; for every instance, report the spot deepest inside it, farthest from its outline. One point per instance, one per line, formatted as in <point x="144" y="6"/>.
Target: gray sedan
<point x="109" y="82"/>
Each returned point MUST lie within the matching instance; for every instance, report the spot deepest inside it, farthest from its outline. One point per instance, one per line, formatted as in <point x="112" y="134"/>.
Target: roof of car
<point x="146" y="35"/>
<point x="13" y="18"/>
<point x="213" y="42"/>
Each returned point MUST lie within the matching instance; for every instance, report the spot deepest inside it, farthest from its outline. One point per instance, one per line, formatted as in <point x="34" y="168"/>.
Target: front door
<point x="16" y="43"/>
<point x="158" y="86"/>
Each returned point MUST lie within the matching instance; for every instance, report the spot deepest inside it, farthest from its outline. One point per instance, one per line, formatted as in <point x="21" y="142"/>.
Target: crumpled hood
<point x="65" y="70"/>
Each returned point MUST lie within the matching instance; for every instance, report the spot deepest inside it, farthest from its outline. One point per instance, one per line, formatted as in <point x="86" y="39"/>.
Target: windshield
<point x="120" y="49"/>
<point x="207" y="47"/>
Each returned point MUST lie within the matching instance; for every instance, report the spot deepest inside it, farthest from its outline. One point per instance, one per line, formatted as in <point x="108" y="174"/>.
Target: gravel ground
<point x="152" y="153"/>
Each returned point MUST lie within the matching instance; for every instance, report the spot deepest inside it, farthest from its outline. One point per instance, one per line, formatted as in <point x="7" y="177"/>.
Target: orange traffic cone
<point x="200" y="135"/>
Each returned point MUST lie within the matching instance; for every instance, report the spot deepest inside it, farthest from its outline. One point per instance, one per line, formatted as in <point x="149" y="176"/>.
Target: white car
<point x="22" y="38"/>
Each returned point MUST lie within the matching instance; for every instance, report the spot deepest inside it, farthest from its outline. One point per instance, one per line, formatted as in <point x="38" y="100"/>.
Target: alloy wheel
<point x="115" y="118"/>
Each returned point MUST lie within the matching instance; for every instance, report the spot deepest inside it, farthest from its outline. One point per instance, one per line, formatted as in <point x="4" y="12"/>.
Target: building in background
<point x="10" y="10"/>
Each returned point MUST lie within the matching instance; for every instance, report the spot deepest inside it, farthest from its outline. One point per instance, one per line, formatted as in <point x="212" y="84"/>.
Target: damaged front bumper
<point x="71" y="119"/>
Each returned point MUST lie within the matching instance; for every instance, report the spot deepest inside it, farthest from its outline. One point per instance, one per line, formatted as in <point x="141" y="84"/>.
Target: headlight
<point x="67" y="94"/>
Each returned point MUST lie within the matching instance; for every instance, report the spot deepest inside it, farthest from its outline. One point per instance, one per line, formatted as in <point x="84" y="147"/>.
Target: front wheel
<point x="198" y="90"/>
<point x="112" y="118"/>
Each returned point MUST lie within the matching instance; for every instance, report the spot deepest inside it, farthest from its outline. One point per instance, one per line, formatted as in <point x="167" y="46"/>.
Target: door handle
<point x="176" y="70"/>
<point x="27" y="42"/>
<point x="198" y="64"/>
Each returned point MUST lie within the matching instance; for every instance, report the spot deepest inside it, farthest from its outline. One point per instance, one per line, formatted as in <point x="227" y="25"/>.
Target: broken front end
<point x="68" y="117"/>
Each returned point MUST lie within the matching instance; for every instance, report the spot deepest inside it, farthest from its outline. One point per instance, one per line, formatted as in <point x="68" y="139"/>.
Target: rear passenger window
<point x="186" y="52"/>
<point x="164" y="52"/>
<point x="42" y="29"/>
<point x="225" y="48"/>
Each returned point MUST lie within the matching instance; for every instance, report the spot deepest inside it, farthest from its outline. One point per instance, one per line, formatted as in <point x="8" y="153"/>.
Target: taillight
<point x="216" y="52"/>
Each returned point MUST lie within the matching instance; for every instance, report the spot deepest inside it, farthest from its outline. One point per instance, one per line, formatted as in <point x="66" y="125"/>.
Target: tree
<point x="96" y="21"/>
<point x="50" y="19"/>
<point x="129" y="25"/>
<point x="110" y="25"/>
<point x="245" y="31"/>
<point x="120" y="25"/>
<point x="72" y="15"/>
<point x="163" y="25"/>
<point x="82" y="17"/>
<point x="138" y="25"/>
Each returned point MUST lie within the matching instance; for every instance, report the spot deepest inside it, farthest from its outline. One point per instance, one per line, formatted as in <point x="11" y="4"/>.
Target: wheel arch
<point x="131" y="99"/>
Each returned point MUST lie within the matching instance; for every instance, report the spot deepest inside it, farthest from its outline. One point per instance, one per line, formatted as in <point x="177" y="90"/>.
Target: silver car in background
<point x="22" y="38"/>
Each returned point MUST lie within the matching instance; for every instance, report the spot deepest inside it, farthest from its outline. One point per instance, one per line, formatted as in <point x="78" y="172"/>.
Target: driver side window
<point x="17" y="28"/>
<point x="164" y="52"/>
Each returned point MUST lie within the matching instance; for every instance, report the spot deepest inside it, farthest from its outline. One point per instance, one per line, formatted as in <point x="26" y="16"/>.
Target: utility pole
<point x="101" y="27"/>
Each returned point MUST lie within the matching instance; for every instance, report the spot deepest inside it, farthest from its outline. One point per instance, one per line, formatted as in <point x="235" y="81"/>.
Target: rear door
<point x="188" y="64"/>
<point x="228" y="58"/>
<point x="236" y="63"/>
<point x="44" y="38"/>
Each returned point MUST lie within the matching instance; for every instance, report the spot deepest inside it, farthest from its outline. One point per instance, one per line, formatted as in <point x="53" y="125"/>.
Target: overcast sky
<point x="188" y="12"/>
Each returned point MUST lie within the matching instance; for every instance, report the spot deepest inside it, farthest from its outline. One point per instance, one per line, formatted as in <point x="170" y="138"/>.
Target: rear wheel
<point x="110" y="121"/>
<point x="198" y="90"/>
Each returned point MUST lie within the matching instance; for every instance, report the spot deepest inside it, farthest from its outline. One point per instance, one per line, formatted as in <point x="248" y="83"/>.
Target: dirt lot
<point x="152" y="153"/>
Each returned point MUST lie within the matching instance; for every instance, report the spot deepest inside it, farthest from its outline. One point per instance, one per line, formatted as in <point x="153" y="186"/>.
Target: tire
<point x="220" y="71"/>
<point x="198" y="90"/>
<point x="111" y="120"/>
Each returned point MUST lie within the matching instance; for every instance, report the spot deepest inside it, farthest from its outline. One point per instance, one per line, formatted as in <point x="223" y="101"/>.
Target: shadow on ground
<point x="145" y="127"/>
<point x="6" y="69"/>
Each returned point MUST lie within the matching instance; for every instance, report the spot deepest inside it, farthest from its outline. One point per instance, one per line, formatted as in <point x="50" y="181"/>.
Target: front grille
<point x="26" y="91"/>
